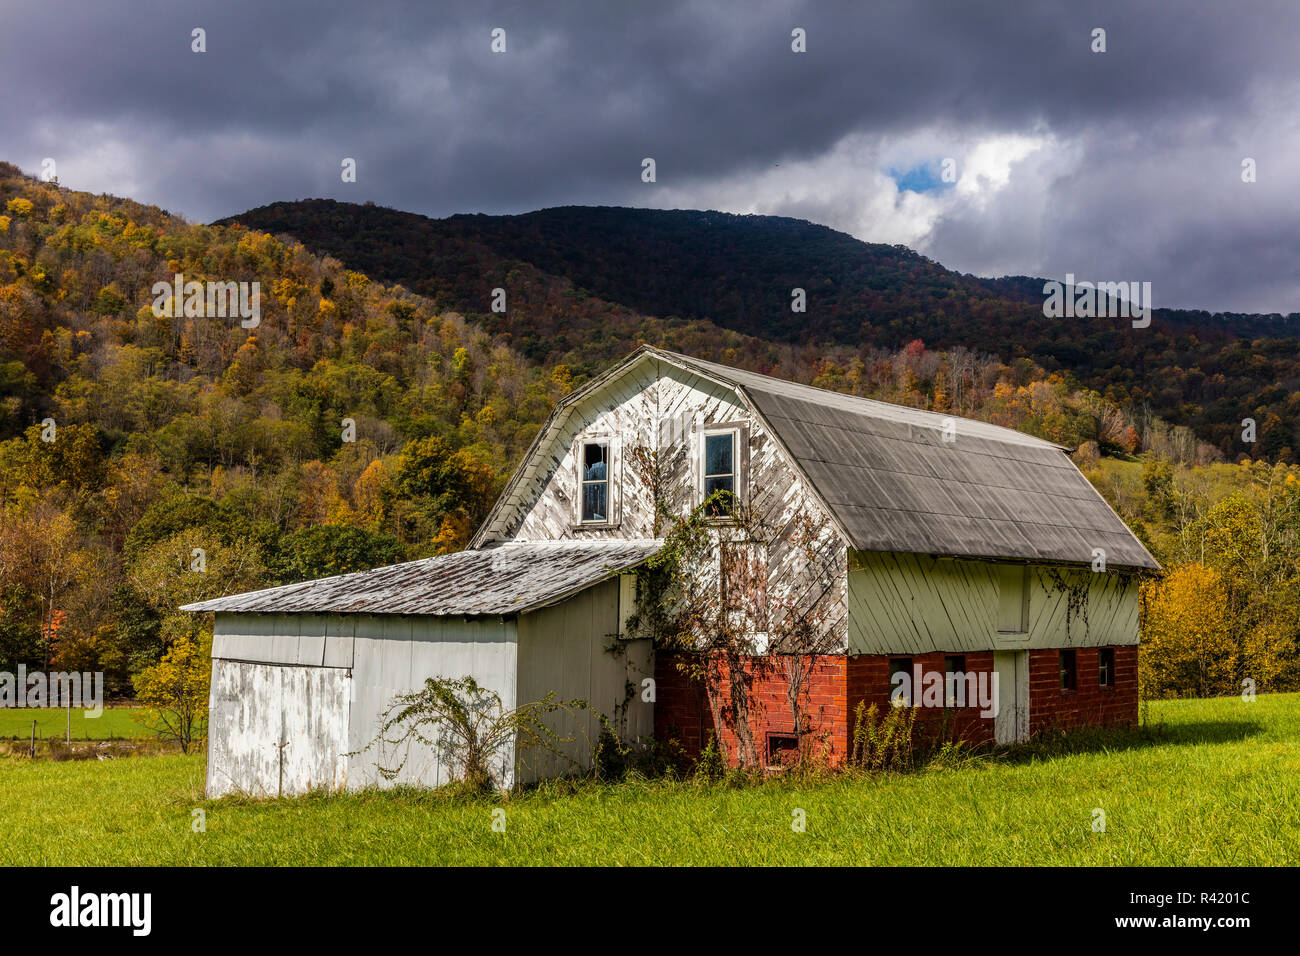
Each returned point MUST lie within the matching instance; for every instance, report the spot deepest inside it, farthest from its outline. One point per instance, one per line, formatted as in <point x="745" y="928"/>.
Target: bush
<point x="883" y="744"/>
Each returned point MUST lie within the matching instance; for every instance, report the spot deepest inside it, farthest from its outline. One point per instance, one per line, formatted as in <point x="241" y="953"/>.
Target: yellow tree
<point x="174" y="692"/>
<point x="1188" y="648"/>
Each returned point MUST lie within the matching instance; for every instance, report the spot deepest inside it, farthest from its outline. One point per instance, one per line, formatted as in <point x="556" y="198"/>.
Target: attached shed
<point x="302" y="673"/>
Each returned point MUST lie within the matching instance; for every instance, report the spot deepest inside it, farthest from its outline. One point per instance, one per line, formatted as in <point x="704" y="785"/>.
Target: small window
<point x="595" y="481"/>
<point x="1106" y="667"/>
<point x="958" y="688"/>
<point x="720" y="470"/>
<point x="1069" y="679"/>
<point x="900" y="665"/>
<point x="782" y="749"/>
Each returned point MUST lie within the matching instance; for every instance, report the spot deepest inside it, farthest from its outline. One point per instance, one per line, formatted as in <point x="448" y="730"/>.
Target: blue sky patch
<point x="919" y="179"/>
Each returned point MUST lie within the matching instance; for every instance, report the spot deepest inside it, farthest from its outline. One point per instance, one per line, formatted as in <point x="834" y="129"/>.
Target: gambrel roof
<point x="509" y="579"/>
<point x="891" y="483"/>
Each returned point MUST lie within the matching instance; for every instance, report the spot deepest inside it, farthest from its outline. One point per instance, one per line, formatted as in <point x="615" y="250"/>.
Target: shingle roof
<point x="894" y="484"/>
<point x="507" y="579"/>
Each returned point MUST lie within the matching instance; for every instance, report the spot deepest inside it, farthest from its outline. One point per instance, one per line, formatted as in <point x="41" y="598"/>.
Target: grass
<point x="1212" y="783"/>
<point x="114" y="723"/>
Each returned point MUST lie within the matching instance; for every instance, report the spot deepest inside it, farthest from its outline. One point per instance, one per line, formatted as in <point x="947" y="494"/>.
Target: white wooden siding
<point x="395" y="654"/>
<point x="293" y="694"/>
<point x="667" y="409"/>
<point x="276" y="729"/>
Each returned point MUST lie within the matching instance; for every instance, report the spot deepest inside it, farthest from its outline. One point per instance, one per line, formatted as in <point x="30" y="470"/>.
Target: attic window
<point x="594" y="465"/>
<point x="720" y="472"/>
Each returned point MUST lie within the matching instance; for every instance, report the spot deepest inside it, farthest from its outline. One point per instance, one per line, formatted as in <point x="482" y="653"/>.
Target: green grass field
<point x="1214" y="782"/>
<point x="114" y="723"/>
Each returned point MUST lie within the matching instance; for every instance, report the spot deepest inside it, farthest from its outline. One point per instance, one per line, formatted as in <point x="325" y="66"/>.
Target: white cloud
<point x="848" y="188"/>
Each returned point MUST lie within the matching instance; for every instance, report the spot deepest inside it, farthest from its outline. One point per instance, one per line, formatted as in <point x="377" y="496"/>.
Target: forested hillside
<point x="1207" y="372"/>
<point x="362" y="423"/>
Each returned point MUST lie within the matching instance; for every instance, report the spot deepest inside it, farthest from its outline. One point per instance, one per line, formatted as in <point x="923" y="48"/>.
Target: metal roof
<point x="506" y="579"/>
<point x="893" y="484"/>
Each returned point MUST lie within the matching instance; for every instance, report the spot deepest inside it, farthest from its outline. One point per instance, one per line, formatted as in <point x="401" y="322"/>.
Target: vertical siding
<point x="276" y="729"/>
<point x="281" y="723"/>
<point x="395" y="654"/>
<point x="573" y="650"/>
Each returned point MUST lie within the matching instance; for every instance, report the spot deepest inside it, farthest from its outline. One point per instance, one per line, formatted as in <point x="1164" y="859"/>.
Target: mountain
<point x="361" y="422"/>
<point x="580" y="281"/>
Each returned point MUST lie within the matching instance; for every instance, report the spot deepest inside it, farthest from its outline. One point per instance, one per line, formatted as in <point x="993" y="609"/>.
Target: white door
<point x="1011" y="721"/>
<point x="276" y="729"/>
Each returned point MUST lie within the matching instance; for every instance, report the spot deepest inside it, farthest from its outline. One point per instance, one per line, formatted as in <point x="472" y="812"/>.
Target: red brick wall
<point x="868" y="676"/>
<point x="682" y="710"/>
<point x="837" y="684"/>
<point x="1050" y="707"/>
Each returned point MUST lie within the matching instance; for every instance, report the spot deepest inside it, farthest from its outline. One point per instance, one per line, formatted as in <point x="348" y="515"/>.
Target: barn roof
<point x="507" y="579"/>
<point x="893" y="484"/>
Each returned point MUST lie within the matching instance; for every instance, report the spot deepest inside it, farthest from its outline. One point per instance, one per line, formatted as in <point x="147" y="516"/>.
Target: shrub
<point x="883" y="744"/>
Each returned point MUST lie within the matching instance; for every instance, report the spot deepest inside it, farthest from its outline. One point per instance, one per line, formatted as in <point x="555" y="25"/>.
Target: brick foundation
<point x="838" y="683"/>
<point x="682" y="710"/>
<point x="1051" y="708"/>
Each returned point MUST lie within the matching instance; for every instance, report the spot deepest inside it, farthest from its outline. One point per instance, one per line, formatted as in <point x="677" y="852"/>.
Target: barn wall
<point x="683" y="713"/>
<point x="395" y="654"/>
<point x="293" y="694"/>
<point x="574" y="651"/>
<point x="661" y="407"/>
<point x="1054" y="709"/>
<point x="917" y="604"/>
<point x="321" y="640"/>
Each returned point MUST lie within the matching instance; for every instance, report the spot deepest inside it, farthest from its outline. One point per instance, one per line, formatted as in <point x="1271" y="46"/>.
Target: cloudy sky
<point x="1116" y="166"/>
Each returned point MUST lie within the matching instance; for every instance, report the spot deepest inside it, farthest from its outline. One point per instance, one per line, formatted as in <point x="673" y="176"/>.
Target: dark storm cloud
<point x="1127" y="163"/>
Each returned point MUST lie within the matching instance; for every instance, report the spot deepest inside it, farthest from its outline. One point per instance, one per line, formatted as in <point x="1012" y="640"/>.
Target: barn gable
<point x="890" y="478"/>
<point x="652" y="404"/>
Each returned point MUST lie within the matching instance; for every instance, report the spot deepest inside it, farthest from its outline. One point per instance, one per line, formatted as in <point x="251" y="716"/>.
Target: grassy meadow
<point x="1208" y="782"/>
<point x="115" y="723"/>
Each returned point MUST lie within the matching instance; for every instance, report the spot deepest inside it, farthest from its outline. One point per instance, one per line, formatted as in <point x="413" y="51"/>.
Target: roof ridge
<point x="867" y="403"/>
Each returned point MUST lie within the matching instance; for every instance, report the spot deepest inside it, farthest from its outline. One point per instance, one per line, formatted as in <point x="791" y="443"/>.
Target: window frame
<point x="612" y="503"/>
<point x="949" y="667"/>
<point x="1106" y="668"/>
<point x="1005" y="572"/>
<point x="909" y="669"/>
<point x="739" y="432"/>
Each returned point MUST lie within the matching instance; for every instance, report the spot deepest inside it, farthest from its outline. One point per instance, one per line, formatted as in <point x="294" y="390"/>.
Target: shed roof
<point x="894" y="484"/>
<point x="506" y="579"/>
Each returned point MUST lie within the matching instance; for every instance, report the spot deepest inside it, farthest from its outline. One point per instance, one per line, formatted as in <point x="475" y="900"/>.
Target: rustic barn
<point x="951" y="546"/>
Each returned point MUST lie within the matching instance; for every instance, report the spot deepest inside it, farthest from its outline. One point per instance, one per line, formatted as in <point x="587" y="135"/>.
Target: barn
<point x="947" y="547"/>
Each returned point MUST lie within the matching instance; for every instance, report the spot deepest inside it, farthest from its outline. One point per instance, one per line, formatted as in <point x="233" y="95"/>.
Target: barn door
<point x="276" y="729"/>
<point x="1011" y="722"/>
